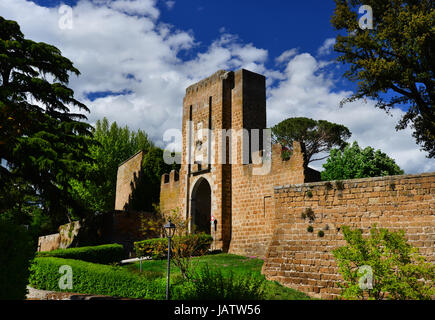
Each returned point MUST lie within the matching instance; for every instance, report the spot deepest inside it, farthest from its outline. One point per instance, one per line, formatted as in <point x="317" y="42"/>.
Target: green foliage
<point x="90" y="278"/>
<point x="399" y="272"/>
<point x="238" y="274"/>
<point x="354" y="162"/>
<point x="184" y="248"/>
<point x="114" y="145"/>
<point x="310" y="229"/>
<point x="16" y="251"/>
<point x="224" y="263"/>
<point x="309" y="213"/>
<point x="315" y="135"/>
<point x="104" y="254"/>
<point x="158" y="248"/>
<point x="42" y="142"/>
<point x="320" y="233"/>
<point x="153" y="167"/>
<point x="212" y="284"/>
<point x="155" y="248"/>
<point x="395" y="57"/>
<point x="93" y="278"/>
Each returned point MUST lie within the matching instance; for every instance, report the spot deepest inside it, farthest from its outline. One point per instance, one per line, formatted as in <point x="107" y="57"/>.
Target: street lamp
<point x="169" y="232"/>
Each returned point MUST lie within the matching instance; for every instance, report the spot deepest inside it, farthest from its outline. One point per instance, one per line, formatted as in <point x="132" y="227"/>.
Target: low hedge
<point x="158" y="248"/>
<point x="103" y="254"/>
<point x="115" y="281"/>
<point x="98" y="279"/>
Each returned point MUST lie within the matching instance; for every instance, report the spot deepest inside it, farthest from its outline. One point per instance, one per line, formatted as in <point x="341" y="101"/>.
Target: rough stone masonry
<point x="258" y="213"/>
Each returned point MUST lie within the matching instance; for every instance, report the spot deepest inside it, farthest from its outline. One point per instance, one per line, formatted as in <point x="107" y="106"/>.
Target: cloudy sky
<point x="136" y="57"/>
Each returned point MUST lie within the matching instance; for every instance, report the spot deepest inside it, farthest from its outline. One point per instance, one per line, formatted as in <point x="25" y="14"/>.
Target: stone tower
<point x="223" y="116"/>
<point x="211" y="107"/>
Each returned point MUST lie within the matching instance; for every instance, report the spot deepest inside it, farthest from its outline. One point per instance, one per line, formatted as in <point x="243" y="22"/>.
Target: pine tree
<point x="41" y="141"/>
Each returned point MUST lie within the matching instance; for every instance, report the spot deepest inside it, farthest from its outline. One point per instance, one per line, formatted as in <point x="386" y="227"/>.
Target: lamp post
<point x="169" y="231"/>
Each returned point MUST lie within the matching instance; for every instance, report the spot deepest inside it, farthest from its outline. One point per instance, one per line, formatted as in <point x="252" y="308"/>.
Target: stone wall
<point x="169" y="192"/>
<point x="61" y="240"/>
<point x="127" y="177"/>
<point x="303" y="260"/>
<point x="232" y="105"/>
<point x="49" y="242"/>
<point x="253" y="204"/>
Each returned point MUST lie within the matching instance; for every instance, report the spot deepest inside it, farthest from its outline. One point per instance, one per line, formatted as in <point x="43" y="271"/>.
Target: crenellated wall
<point x="232" y="105"/>
<point x="169" y="192"/>
<point x="259" y="207"/>
<point x="303" y="260"/>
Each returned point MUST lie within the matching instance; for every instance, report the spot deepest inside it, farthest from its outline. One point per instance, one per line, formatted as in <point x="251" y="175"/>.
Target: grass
<point x="225" y="263"/>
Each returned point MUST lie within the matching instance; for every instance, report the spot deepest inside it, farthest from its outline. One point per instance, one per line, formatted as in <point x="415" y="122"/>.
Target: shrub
<point x="208" y="284"/>
<point x="158" y="248"/>
<point x="91" y="278"/>
<point x="16" y="251"/>
<point x="310" y="229"/>
<point x="104" y="254"/>
<point x="184" y="248"/>
<point x="397" y="270"/>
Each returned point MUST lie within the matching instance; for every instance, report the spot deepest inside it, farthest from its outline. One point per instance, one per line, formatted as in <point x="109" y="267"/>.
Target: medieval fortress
<point x="236" y="187"/>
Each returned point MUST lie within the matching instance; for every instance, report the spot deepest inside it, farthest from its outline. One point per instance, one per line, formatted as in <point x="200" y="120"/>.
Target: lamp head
<point x="169" y="229"/>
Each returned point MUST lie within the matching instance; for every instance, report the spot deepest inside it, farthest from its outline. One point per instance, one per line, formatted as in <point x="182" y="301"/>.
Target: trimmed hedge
<point x="91" y="278"/>
<point x="104" y="254"/>
<point x="158" y="248"/>
<point x="98" y="279"/>
<point x="17" y="249"/>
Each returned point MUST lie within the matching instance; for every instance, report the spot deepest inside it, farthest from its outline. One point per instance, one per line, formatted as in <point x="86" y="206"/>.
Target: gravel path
<point x="36" y="294"/>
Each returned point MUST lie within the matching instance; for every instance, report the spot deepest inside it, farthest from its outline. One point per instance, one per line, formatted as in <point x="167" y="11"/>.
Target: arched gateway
<point x="201" y="206"/>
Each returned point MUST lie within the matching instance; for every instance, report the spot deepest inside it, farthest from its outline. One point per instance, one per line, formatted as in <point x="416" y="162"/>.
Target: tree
<point x="354" y="162"/>
<point x="383" y="266"/>
<point x="315" y="135"/>
<point x="42" y="143"/>
<point x="396" y="57"/>
<point x="114" y="145"/>
<point x="147" y="192"/>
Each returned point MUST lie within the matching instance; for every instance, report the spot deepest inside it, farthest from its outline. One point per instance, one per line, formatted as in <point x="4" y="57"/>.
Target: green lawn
<point x="225" y="263"/>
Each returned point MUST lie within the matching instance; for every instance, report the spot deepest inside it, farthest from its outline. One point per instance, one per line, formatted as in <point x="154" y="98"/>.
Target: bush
<point x="210" y="284"/>
<point x="16" y="251"/>
<point x="104" y="254"/>
<point x="396" y="270"/>
<point x="91" y="278"/>
<point x="158" y="248"/>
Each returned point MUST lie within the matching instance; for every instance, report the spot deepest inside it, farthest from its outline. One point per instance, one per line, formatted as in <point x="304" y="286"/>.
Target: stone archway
<point x="201" y="206"/>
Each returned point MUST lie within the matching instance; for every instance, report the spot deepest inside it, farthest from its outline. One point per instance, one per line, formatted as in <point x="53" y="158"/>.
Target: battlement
<point x="207" y="82"/>
<point x="169" y="179"/>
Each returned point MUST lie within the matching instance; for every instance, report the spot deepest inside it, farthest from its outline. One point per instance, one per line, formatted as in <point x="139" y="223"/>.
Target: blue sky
<point x="136" y="58"/>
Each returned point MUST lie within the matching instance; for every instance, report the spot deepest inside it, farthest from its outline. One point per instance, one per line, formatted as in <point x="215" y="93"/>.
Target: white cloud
<point x="122" y="46"/>
<point x="326" y="47"/>
<point x="307" y="91"/>
<point x="170" y="4"/>
<point x="286" y="55"/>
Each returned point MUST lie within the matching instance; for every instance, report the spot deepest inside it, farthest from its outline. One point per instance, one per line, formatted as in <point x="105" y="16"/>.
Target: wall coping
<point x="360" y="180"/>
<point x="123" y="162"/>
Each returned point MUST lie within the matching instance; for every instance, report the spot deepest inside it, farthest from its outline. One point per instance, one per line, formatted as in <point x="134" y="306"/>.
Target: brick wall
<point x="302" y="260"/>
